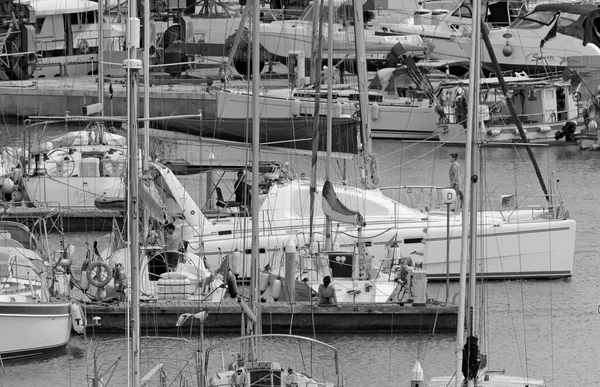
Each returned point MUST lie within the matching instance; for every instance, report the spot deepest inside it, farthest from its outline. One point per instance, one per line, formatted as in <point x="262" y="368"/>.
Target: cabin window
<point x="39" y="22"/>
<point x="463" y="11"/>
<point x="88" y="17"/>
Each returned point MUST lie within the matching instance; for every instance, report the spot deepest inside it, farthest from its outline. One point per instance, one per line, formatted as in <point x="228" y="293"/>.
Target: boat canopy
<point x="59" y="7"/>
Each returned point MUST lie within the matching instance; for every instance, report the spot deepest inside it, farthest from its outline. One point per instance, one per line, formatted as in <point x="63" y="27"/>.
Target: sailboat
<point x="257" y="358"/>
<point x="33" y="319"/>
<point x="471" y="367"/>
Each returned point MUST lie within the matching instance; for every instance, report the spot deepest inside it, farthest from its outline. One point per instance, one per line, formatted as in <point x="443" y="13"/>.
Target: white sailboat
<point x="33" y="319"/>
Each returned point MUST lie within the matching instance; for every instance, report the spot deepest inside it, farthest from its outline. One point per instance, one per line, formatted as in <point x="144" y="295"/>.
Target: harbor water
<point x="543" y="329"/>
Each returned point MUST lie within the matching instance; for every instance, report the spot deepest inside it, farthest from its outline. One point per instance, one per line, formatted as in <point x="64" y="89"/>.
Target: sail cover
<point x="336" y="210"/>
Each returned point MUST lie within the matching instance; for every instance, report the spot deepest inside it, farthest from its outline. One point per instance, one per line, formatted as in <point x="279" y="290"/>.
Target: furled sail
<point x="336" y="210"/>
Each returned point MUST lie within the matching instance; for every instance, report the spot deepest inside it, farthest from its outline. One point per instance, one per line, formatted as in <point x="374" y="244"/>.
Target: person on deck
<point x="243" y="191"/>
<point x="456" y="175"/>
<point x="174" y="246"/>
<point x="326" y="293"/>
<point x="290" y="378"/>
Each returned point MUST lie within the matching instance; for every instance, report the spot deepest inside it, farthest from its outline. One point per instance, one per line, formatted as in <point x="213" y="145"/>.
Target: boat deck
<point x="279" y="317"/>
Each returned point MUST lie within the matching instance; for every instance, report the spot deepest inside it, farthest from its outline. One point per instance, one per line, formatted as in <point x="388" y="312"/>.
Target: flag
<point x="552" y="31"/>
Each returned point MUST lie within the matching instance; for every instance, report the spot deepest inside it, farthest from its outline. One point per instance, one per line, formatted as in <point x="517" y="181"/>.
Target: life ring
<point x="104" y="272"/>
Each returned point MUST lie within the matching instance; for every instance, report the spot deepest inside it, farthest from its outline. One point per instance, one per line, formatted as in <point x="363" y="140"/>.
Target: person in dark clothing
<point x="471" y="360"/>
<point x="243" y="191"/>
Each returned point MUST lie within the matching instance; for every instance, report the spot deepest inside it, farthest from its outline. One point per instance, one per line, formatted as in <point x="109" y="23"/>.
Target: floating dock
<point x="225" y="317"/>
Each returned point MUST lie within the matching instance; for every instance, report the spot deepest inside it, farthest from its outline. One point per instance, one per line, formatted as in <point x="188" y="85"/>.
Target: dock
<point x="278" y="317"/>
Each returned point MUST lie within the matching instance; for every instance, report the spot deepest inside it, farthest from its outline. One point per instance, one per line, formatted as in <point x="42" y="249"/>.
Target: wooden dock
<point x="225" y="317"/>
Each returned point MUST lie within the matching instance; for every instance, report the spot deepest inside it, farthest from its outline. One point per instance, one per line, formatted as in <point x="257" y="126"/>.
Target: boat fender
<point x="17" y="196"/>
<point x="264" y="281"/>
<point x="8" y="186"/>
<point x="337" y="109"/>
<point x="77" y="318"/>
<point x="120" y="281"/>
<point x="232" y="285"/>
<point x="375" y="111"/>
<point x="100" y="294"/>
<point x="94" y="274"/>
<point x="494" y="132"/>
<point x="236" y="262"/>
<point x="17" y="175"/>
<point x="84" y="282"/>
<point x="296" y="107"/>
<point x="276" y="291"/>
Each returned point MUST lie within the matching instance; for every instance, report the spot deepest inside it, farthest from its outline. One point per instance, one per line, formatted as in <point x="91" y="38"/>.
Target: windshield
<point x="535" y="20"/>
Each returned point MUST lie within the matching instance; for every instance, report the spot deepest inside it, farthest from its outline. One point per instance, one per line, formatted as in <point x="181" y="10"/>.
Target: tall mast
<point x="473" y="103"/>
<point x="133" y="65"/>
<point x="255" y="291"/>
<point x="361" y="72"/>
<point x="329" y="113"/>
<point x="101" y="53"/>
<point x="316" y="120"/>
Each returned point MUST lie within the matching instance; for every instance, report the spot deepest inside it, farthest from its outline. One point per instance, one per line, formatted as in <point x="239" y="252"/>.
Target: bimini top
<point x="59" y="7"/>
<point x="578" y="9"/>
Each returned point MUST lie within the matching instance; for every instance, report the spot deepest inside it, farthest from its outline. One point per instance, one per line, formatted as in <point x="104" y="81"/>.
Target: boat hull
<point x="30" y="329"/>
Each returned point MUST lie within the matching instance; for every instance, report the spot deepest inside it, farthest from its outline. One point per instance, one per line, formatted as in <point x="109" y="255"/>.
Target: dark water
<point x="544" y="329"/>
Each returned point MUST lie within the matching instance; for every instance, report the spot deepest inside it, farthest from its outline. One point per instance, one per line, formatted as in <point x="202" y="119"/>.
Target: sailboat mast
<point x="361" y="73"/>
<point x="132" y="65"/>
<point x="473" y="103"/>
<point x="316" y="122"/>
<point x="473" y="167"/>
<point x="101" y="53"/>
<point x="255" y="291"/>
<point x="329" y="114"/>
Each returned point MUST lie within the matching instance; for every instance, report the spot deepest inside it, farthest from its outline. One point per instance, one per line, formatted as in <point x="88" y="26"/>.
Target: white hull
<point x="74" y="193"/>
<point x="512" y="250"/>
<point x="535" y="133"/>
<point x="279" y="38"/>
<point x="525" y="48"/>
<point x="280" y="220"/>
<point x="33" y="328"/>
<point x="389" y="119"/>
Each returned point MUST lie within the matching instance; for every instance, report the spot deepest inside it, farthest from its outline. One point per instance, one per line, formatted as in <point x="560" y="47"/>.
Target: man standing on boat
<point x="243" y="191"/>
<point x="456" y="175"/>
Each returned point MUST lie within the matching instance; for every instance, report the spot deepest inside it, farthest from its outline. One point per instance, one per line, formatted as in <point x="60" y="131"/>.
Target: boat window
<point x="39" y="22"/>
<point x="88" y="17"/>
<point x="463" y="11"/>
<point x="535" y="20"/>
<point x="572" y="27"/>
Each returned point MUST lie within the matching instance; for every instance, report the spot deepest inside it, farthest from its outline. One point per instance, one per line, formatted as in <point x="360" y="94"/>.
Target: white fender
<point x="276" y="291"/>
<point x="494" y="132"/>
<point x="84" y="282"/>
<point x="17" y="196"/>
<point x="295" y="107"/>
<point x="264" y="281"/>
<point x="236" y="262"/>
<point x="544" y="128"/>
<point x="8" y="186"/>
<point x="77" y="318"/>
<point x="375" y="111"/>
